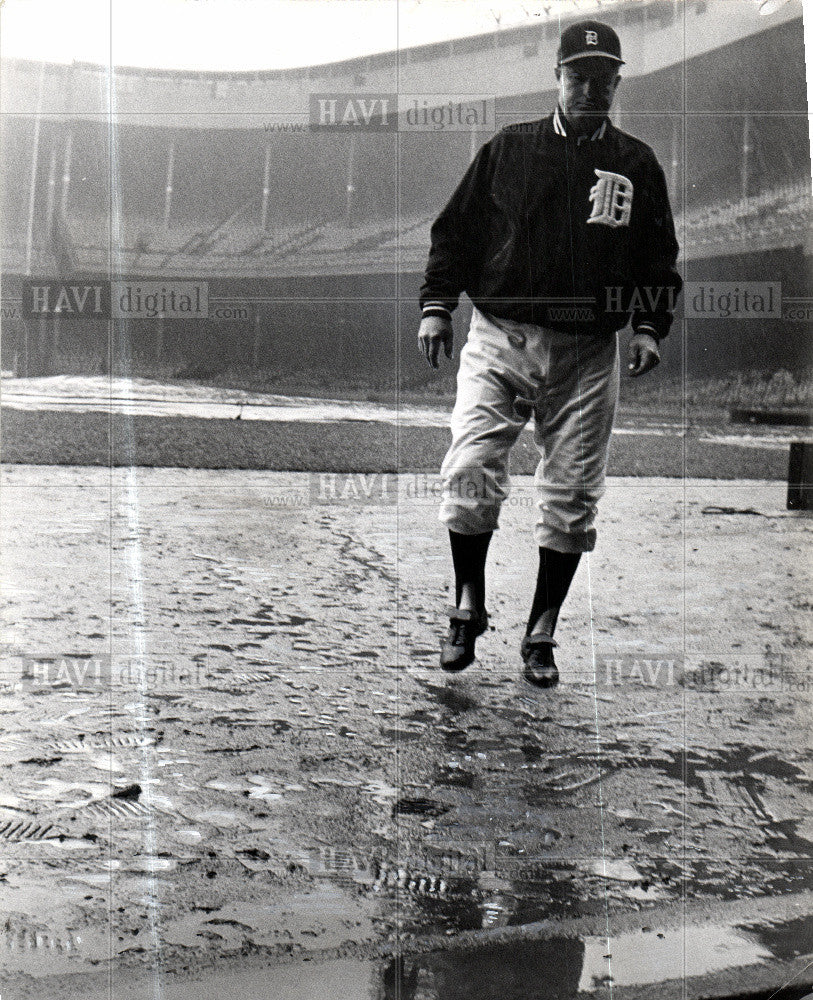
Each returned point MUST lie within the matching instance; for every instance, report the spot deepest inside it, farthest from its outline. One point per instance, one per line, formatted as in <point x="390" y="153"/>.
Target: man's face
<point x="586" y="90"/>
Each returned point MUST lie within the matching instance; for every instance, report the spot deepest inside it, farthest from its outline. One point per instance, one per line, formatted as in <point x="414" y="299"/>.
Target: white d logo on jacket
<point x="611" y="196"/>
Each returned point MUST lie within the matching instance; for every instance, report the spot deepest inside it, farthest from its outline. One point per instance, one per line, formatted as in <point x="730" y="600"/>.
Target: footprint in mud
<point x="60" y="719"/>
<point x="10" y="742"/>
<point x="454" y="775"/>
<point x="256" y="860"/>
<point x="657" y="836"/>
<point x="380" y="792"/>
<point x="149" y="863"/>
<point x="416" y="882"/>
<point x="252" y="786"/>
<point x="188" y="836"/>
<point x="419" y="807"/>
<point x="29" y="945"/>
<point x="614" y="870"/>
<point x="124" y="803"/>
<point x="239" y="717"/>
<point x="496" y="911"/>
<point x="227" y="819"/>
<point x="632" y="820"/>
<point x="64" y="793"/>
<point x="570" y="779"/>
<point x="84" y="744"/>
<point x="254" y="677"/>
<point x="266" y="616"/>
<point x="18" y="829"/>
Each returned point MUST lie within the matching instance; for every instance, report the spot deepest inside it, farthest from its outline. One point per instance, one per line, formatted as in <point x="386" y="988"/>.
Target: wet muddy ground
<point x="225" y="739"/>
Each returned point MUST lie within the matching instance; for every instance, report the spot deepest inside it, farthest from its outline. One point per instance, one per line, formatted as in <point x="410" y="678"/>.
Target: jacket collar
<point x="560" y="127"/>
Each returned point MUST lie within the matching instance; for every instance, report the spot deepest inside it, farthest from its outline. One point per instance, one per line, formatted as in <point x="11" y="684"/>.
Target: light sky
<point x="250" y="34"/>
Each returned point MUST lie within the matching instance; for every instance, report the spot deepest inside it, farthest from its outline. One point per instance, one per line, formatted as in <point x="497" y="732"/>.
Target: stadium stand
<point x="777" y="217"/>
<point x="235" y="198"/>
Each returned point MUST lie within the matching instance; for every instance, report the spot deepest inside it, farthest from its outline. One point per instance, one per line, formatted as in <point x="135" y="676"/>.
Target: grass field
<point x="773" y="390"/>
<point x="56" y="438"/>
<point x="699" y="397"/>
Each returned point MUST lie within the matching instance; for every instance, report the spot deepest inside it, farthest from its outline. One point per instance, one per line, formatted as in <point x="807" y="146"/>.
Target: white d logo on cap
<point x="590" y="38"/>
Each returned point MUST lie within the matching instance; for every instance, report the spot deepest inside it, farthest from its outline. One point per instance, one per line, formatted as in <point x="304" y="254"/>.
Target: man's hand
<point x="434" y="332"/>
<point x="642" y="354"/>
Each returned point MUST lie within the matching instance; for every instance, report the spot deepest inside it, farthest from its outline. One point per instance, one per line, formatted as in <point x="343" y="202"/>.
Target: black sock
<point x="556" y="572"/>
<point x="469" y="558"/>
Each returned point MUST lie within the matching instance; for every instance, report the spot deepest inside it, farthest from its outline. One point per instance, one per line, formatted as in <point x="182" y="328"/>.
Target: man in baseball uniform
<point x="560" y="233"/>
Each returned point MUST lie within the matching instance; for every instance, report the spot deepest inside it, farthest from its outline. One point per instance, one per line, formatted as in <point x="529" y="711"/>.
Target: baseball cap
<point x="588" y="38"/>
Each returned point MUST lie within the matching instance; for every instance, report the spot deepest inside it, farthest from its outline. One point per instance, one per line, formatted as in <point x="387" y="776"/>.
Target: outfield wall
<point x="363" y="328"/>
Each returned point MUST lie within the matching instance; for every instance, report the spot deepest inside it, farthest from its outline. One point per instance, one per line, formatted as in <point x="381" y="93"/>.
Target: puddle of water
<point x="640" y="958"/>
<point x="786" y="940"/>
<point x="348" y="978"/>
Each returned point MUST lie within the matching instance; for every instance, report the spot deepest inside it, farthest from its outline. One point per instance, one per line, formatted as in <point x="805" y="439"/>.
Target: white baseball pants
<point x="569" y="383"/>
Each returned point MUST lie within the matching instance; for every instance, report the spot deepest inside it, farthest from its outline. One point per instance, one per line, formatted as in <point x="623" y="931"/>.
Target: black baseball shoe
<point x="537" y="655"/>
<point x="457" y="649"/>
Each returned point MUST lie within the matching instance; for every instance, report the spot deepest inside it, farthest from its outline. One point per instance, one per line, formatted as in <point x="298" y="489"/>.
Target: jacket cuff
<point x="434" y="308"/>
<point x="645" y="326"/>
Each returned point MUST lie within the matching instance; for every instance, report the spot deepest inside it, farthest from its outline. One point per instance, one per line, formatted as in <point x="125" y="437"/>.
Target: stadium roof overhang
<point x="511" y="61"/>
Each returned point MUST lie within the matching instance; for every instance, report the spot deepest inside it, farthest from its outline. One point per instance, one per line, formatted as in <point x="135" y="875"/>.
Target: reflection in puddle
<point x="561" y="968"/>
<point x="557" y="968"/>
<point x="636" y="959"/>
<point x="786" y="940"/>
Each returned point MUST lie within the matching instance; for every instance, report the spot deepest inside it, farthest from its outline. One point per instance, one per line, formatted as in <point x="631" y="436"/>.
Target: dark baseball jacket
<point x="515" y="234"/>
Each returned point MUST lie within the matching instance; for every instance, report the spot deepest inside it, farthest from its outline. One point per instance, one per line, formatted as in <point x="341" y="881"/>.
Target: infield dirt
<point x="225" y="738"/>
